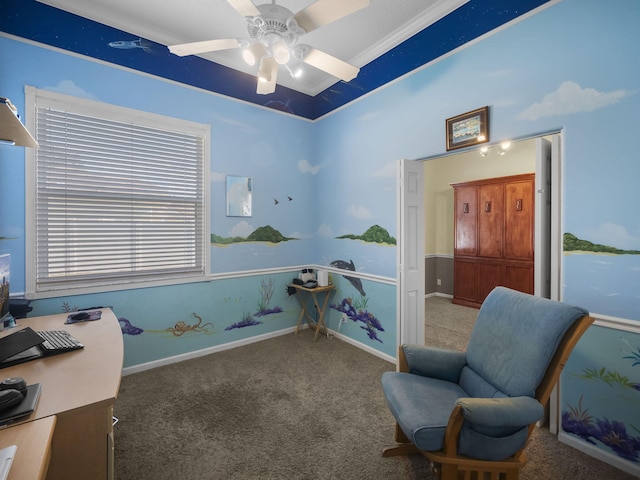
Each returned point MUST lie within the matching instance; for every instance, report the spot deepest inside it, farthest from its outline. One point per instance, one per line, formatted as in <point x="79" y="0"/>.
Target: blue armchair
<point x="474" y="411"/>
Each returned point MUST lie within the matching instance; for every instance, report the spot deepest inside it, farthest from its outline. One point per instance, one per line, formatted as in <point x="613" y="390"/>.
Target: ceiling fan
<point x="273" y="39"/>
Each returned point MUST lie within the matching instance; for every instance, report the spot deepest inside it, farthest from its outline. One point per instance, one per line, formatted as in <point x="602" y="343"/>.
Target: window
<point x="114" y="197"/>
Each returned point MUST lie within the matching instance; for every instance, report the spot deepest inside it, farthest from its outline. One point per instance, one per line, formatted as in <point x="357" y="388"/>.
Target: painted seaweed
<point x="357" y="312"/>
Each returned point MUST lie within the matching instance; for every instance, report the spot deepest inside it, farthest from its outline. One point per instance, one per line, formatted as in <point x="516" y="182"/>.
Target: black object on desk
<point x="25" y="407"/>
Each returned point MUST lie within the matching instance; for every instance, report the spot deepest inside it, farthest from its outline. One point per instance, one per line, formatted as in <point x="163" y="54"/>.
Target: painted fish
<point x="131" y="44"/>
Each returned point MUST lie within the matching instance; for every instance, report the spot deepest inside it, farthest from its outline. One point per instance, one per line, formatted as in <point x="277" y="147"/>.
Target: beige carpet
<point x="284" y="408"/>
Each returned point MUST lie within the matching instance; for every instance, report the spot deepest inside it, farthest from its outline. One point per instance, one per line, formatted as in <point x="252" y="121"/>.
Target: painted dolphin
<point x="342" y="265"/>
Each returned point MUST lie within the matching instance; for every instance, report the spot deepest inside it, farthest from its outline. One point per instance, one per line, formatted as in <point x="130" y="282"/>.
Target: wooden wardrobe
<point x="494" y="237"/>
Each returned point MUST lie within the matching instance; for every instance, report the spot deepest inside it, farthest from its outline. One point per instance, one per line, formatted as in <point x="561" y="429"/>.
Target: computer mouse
<point x="79" y="316"/>
<point x="14" y="383"/>
<point x="9" y="398"/>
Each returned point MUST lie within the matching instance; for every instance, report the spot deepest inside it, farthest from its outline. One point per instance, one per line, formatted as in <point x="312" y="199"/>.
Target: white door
<point x="556" y="217"/>
<point x="410" y="248"/>
<point x="542" y="266"/>
<point x="555" y="254"/>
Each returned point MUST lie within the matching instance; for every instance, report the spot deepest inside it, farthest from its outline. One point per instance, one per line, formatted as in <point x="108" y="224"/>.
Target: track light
<point x="504" y="146"/>
<point x="500" y="149"/>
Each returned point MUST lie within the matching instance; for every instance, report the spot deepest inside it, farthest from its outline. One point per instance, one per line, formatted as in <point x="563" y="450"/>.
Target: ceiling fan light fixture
<point x="253" y="52"/>
<point x="294" y="68"/>
<point x="280" y="52"/>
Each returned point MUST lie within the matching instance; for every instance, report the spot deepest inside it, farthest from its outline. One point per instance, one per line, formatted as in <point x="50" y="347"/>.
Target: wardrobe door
<point x="465" y="285"/>
<point x="490" y="220"/>
<point x="519" y="277"/>
<point x="519" y="220"/>
<point x="490" y="275"/>
<point x="465" y="226"/>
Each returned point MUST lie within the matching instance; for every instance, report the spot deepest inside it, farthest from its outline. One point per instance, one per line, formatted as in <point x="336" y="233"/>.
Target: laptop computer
<point x="27" y="344"/>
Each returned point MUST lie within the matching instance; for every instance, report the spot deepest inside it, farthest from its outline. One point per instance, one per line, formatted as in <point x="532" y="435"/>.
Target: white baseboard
<point x="437" y="294"/>
<point x="205" y="351"/>
<point x="362" y="346"/>
<point x="246" y="341"/>
<point x="603" y="455"/>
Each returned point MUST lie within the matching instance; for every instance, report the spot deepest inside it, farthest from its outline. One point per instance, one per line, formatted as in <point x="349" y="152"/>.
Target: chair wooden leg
<point x="399" y="435"/>
<point x="401" y="449"/>
<point x="404" y="447"/>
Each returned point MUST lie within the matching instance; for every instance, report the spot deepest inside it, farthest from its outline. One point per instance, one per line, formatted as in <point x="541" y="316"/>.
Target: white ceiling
<point x="357" y="39"/>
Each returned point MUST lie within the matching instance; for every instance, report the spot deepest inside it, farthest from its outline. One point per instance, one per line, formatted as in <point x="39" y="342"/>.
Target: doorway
<point x="540" y="154"/>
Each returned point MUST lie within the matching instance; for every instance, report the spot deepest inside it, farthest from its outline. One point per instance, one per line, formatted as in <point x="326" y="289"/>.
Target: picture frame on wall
<point x="471" y="128"/>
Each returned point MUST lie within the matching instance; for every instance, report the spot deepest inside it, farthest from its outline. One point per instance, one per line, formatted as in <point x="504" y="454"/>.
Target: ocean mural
<point x="181" y="327"/>
<point x="600" y="398"/>
<point x="605" y="278"/>
<point x="356" y="311"/>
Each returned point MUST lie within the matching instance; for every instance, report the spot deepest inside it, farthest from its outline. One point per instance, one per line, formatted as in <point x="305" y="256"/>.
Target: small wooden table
<point x="302" y="293"/>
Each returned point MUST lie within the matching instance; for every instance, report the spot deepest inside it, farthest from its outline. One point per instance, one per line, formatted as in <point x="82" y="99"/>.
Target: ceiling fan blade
<point x="323" y="12"/>
<point x="267" y="75"/>
<point x="332" y="65"/>
<point x="246" y="8"/>
<point x="202" y="47"/>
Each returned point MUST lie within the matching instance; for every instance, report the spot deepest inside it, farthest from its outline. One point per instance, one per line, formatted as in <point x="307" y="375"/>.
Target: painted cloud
<point x="571" y="98"/>
<point x="305" y="167"/>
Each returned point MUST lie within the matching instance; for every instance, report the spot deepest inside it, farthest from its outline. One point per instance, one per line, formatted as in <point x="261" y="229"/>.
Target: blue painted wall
<point x="275" y="150"/>
<point x="549" y="72"/>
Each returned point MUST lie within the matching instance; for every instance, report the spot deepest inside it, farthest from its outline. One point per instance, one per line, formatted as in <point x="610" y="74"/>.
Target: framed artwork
<point x="239" y="193"/>
<point x="471" y="128"/>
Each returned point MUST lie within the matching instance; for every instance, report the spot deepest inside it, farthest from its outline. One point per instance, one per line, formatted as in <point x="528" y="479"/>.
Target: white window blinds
<point x="116" y="201"/>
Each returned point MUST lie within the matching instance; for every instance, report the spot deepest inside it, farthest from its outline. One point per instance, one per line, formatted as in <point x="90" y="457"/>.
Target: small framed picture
<point x="471" y="128"/>
<point x="239" y="196"/>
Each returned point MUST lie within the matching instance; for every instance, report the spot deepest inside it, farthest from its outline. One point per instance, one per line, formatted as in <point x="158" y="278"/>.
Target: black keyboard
<point x="59" y="341"/>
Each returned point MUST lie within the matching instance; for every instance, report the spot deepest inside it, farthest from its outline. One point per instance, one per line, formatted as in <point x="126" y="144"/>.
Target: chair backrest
<point x="513" y="342"/>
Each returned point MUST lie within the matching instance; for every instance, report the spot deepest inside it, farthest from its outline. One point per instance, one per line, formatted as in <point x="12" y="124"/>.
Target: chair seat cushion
<point x="421" y="406"/>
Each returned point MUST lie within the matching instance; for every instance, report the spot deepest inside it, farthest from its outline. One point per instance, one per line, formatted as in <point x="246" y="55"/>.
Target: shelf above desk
<point x="11" y="128"/>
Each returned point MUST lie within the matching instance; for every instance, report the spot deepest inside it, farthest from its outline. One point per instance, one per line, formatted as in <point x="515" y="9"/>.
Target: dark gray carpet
<point x="284" y="408"/>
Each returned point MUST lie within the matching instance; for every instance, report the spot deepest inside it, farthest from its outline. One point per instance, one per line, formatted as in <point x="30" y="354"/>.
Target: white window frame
<point x="37" y="98"/>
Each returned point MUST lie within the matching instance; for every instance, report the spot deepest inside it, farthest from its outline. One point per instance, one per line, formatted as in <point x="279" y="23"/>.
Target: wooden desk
<point x="79" y="388"/>
<point x="302" y="293"/>
<point x="34" y="448"/>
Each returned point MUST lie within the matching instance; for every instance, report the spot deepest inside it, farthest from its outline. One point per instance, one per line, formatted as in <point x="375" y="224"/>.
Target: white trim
<point x="599" y="454"/>
<point x="37" y="98"/>
<point x="335" y="110"/>
<point x="148" y="75"/>
<point x="201" y="279"/>
<point x="247" y="341"/>
<point x="437" y="294"/>
<point x="442" y="57"/>
<point x="616" y="323"/>
<point x="205" y="351"/>
<point x="362" y="346"/>
<point x="337" y="271"/>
